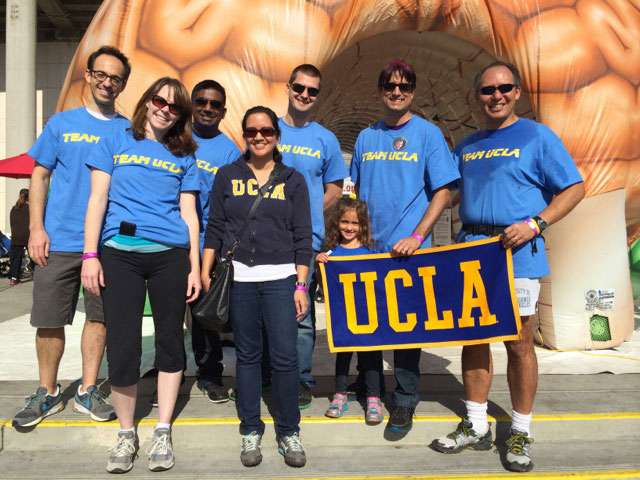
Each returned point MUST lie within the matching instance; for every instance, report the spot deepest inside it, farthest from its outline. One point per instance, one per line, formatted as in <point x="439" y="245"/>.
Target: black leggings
<point x="370" y="363"/>
<point x="127" y="275"/>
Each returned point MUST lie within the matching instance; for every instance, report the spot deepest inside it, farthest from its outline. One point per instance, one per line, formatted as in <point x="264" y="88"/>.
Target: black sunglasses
<point x="404" y="87"/>
<point x="299" y="88"/>
<point x="266" y="132"/>
<point x="490" y="90"/>
<point x="101" y="76"/>
<point x="159" y="102"/>
<point x="203" y="102"/>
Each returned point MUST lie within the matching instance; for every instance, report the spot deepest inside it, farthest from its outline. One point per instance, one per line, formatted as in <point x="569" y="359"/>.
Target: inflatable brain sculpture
<point x="580" y="61"/>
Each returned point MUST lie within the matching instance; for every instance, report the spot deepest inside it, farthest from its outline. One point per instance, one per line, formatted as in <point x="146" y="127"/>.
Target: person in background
<point x="144" y="184"/>
<point x="19" y="220"/>
<point x="215" y="150"/>
<point x="60" y="185"/>
<point x="269" y="293"/>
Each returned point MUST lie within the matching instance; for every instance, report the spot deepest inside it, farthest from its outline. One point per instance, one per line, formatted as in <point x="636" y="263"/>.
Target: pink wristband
<point x="533" y="225"/>
<point x="302" y="288"/>
<point x="88" y="255"/>
<point x="418" y="237"/>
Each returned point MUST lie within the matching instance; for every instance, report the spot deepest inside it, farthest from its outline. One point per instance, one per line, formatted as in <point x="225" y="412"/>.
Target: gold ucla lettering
<point x="237" y="187"/>
<point x="392" y="301"/>
<point x="347" y="280"/>
<point x="252" y="187"/>
<point x="278" y="192"/>
<point x="473" y="283"/>
<point x="433" y="322"/>
<point x="284" y="148"/>
<point x="206" y="166"/>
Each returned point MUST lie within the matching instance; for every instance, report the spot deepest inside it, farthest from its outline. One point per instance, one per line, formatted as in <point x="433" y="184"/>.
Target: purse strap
<point x="277" y="168"/>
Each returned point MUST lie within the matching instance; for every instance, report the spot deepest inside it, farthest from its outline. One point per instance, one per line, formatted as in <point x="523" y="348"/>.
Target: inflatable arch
<point x="580" y="61"/>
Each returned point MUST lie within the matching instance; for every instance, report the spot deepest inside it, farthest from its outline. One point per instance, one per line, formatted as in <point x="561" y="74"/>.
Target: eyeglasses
<point x="266" y="132"/>
<point x="490" y="90"/>
<point x="404" y="87"/>
<point x="203" y="102"/>
<point x="299" y="88"/>
<point x="159" y="102"/>
<point x="101" y="76"/>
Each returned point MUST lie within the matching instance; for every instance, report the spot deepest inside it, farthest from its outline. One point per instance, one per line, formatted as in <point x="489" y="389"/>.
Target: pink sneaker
<point x="338" y="406"/>
<point x="374" y="415"/>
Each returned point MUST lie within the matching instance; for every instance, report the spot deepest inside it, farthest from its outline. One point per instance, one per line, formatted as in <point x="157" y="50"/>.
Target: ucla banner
<point x="455" y="295"/>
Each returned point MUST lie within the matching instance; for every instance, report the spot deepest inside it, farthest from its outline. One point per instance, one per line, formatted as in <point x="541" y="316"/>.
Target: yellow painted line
<point x="576" y="475"/>
<point x="537" y="417"/>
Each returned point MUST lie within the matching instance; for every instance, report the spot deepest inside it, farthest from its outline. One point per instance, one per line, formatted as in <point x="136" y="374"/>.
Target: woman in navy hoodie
<point x="270" y="269"/>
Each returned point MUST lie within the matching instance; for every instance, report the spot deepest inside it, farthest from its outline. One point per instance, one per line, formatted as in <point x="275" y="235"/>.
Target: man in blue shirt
<point x="517" y="178"/>
<point x="215" y="150"/>
<point x="402" y="168"/>
<point x="57" y="236"/>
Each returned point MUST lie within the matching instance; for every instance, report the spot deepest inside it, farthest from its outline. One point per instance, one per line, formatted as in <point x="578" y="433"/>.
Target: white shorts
<point x="527" y="291"/>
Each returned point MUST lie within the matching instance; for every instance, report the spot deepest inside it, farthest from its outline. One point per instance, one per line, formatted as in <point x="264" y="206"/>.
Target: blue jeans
<point x="268" y="307"/>
<point x="407" y="374"/>
<point x="307" y="331"/>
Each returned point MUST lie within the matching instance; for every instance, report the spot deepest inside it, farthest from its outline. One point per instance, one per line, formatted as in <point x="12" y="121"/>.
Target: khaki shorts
<point x="56" y="288"/>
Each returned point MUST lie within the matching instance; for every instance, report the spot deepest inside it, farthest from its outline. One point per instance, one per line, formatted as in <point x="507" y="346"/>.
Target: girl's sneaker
<point x="374" y="415"/>
<point x="338" y="406"/>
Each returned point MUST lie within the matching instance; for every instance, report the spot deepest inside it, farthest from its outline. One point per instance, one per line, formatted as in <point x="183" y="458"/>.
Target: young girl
<point x="348" y="233"/>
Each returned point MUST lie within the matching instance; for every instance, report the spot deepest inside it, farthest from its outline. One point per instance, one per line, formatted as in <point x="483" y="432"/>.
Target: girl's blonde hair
<point x="332" y="236"/>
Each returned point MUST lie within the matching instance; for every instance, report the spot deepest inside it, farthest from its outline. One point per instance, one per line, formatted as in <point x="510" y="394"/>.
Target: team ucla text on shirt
<point x="299" y="150"/>
<point x="494" y="152"/>
<point x="206" y="166"/>
<point x="124" y="158"/>
<point x="390" y="156"/>
<point x="250" y="187"/>
<point x="80" y="137"/>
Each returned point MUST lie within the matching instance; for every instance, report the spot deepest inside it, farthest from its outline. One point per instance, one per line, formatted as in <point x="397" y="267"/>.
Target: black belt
<point x="489" y="230"/>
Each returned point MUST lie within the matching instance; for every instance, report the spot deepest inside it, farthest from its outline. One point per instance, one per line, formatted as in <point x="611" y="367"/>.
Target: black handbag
<point x="211" y="310"/>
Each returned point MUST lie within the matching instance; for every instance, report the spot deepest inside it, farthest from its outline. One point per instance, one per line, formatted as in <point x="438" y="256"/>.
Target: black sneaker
<point x="305" y="397"/>
<point x="401" y="418"/>
<point x="215" y="392"/>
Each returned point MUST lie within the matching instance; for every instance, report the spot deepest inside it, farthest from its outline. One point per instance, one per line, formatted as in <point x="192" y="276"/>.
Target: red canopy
<point x="19" y="166"/>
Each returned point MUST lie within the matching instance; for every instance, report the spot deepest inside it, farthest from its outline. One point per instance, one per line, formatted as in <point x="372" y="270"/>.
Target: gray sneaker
<point x="161" y="451"/>
<point x="250" y="455"/>
<point x="94" y="404"/>
<point x="121" y="456"/>
<point x="518" y="457"/>
<point x="463" y="437"/>
<point x="38" y="406"/>
<point x="291" y="448"/>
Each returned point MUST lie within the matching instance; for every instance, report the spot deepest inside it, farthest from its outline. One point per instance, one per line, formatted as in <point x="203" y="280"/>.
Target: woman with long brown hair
<point x="19" y="219"/>
<point x="144" y="184"/>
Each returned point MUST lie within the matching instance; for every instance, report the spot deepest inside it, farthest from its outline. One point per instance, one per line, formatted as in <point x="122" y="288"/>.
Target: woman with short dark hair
<point x="144" y="184"/>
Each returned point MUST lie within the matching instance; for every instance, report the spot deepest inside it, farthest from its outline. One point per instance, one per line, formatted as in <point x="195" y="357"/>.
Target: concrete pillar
<point x="20" y="71"/>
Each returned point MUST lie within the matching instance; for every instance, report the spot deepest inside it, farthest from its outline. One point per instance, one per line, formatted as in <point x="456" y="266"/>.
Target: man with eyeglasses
<point x="402" y="168"/>
<point x="215" y="150"/>
<point x="315" y="152"/>
<point x="517" y="178"/>
<point x="57" y="235"/>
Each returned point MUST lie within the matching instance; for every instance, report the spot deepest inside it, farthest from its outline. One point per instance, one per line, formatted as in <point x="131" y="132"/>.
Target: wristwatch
<point x="541" y="223"/>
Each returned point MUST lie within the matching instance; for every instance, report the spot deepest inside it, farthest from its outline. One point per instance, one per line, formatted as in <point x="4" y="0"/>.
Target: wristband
<point x="533" y="225"/>
<point x="302" y="288"/>
<point x="88" y="255"/>
<point x="418" y="237"/>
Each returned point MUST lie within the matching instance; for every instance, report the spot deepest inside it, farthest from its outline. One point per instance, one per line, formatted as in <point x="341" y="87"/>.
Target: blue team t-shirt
<point x="146" y="182"/>
<point x="341" y="251"/>
<point x="212" y="154"/>
<point x="315" y="152"/>
<point x="67" y="140"/>
<point x="396" y="171"/>
<point x="511" y="174"/>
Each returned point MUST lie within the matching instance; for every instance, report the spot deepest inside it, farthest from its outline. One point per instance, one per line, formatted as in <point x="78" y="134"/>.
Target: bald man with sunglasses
<point x="516" y="179"/>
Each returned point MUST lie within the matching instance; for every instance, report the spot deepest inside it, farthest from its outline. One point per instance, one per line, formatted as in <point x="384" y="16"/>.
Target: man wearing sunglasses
<point x="215" y="150"/>
<point x="517" y="178"/>
<point x="58" y="205"/>
<point x="402" y="168"/>
<point x="315" y="152"/>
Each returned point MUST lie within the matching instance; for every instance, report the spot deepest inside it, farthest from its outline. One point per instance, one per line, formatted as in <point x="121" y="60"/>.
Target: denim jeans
<point x="307" y="331"/>
<point x="257" y="308"/>
<point x="407" y="375"/>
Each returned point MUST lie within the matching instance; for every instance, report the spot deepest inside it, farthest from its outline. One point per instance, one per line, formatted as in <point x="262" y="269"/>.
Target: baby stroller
<point x="5" y="246"/>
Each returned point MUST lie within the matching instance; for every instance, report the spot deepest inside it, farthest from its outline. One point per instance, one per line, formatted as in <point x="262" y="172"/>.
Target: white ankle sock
<point x="128" y="430"/>
<point x="477" y="415"/>
<point x="56" y="393"/>
<point x="163" y="425"/>
<point x="521" y="422"/>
